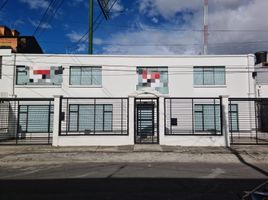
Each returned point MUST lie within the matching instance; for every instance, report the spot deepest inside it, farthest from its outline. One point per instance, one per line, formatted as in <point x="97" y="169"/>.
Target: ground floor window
<point x="207" y="118"/>
<point x="233" y="118"/>
<point x="36" y="118"/>
<point x="90" y="117"/>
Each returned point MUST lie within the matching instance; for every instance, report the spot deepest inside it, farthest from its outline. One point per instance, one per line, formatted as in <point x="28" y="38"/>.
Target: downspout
<point x="14" y="76"/>
<point x="249" y="96"/>
<point x="249" y="82"/>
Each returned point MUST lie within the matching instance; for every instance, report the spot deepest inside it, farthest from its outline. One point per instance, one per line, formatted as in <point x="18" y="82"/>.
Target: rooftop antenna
<point x="205" y="27"/>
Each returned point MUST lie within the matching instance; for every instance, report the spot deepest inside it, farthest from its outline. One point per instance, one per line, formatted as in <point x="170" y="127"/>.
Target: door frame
<point x="152" y="100"/>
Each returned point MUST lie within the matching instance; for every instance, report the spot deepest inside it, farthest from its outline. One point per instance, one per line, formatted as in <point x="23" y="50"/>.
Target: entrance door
<point x="146" y="126"/>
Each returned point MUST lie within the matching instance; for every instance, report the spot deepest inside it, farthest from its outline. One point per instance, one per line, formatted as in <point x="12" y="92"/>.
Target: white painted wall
<point x="118" y="83"/>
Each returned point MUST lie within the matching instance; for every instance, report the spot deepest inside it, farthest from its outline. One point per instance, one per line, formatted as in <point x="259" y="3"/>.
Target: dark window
<point x="209" y="75"/>
<point x="207" y="117"/>
<point x="36" y="118"/>
<point x="233" y="118"/>
<point x="90" y="118"/>
<point x="85" y="75"/>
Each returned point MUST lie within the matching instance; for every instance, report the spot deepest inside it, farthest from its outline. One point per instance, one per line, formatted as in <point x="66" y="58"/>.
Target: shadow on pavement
<point x="127" y="188"/>
<point x="241" y="159"/>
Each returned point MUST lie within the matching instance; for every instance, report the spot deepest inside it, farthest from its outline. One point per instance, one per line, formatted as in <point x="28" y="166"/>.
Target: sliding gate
<point x="248" y="120"/>
<point x="26" y="121"/>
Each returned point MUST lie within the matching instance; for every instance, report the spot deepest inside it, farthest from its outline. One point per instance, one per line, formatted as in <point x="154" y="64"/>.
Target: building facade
<point x="80" y="100"/>
<point x="18" y="44"/>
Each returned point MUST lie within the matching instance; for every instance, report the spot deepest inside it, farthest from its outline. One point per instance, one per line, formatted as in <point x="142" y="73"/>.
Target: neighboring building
<point x="123" y="100"/>
<point x="18" y="44"/>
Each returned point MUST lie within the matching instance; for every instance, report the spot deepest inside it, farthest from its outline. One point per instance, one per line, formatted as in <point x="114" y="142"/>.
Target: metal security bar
<point x="94" y="116"/>
<point x="248" y="120"/>
<point x="26" y="121"/>
<point x="146" y="120"/>
<point x="193" y="116"/>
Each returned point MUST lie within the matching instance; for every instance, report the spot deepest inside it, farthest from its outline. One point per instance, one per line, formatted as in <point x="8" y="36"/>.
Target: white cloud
<point x="36" y="4"/>
<point x="116" y="9"/>
<point x="223" y="15"/>
<point x="155" y="20"/>
<point x="82" y="46"/>
<point x="43" y="25"/>
<point x="76" y="2"/>
<point x="75" y="36"/>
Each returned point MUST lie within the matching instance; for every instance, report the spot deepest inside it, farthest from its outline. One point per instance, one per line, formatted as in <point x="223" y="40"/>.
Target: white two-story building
<point x="80" y="100"/>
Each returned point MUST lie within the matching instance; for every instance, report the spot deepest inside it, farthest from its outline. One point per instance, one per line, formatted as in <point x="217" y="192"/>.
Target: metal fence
<point x="193" y="116"/>
<point x="94" y="116"/>
<point x="248" y="120"/>
<point x="26" y="121"/>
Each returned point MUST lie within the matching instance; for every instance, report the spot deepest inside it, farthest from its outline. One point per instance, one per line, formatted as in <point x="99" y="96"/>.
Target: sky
<point x="155" y="27"/>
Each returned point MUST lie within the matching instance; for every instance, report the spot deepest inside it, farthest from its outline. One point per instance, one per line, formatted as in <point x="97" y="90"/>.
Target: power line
<point x="3" y="5"/>
<point x="174" y="29"/>
<point x="94" y="22"/>
<point x="51" y="17"/>
<point x="43" y="16"/>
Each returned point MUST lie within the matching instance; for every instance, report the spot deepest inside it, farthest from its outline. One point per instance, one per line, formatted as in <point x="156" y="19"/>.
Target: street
<point x="62" y="175"/>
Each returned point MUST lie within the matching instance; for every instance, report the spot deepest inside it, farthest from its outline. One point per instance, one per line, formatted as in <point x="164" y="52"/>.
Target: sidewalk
<point x="37" y="155"/>
<point x="247" y="149"/>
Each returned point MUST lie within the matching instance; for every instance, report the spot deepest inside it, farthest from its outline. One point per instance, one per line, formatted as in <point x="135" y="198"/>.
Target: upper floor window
<point x="209" y="75"/>
<point x="26" y="75"/>
<point x="153" y="77"/>
<point x="81" y="75"/>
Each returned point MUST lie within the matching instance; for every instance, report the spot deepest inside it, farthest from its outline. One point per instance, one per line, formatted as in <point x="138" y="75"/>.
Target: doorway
<point x="146" y="121"/>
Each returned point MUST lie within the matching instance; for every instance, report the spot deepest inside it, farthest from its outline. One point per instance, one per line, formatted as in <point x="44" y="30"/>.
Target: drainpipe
<point x="14" y="76"/>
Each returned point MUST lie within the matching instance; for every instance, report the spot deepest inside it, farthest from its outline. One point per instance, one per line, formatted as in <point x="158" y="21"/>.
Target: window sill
<point x="210" y="86"/>
<point x="85" y="86"/>
<point x="38" y="86"/>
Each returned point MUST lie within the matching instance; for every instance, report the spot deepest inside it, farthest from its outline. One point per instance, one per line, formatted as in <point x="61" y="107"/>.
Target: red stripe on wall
<point x="43" y="72"/>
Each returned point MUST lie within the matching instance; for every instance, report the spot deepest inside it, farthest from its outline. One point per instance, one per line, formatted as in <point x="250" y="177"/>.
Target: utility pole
<point x="90" y="32"/>
<point x="205" y="27"/>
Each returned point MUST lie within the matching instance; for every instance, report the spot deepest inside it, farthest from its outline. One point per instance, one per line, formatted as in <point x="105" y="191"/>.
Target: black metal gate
<point x="26" y="121"/>
<point x="146" y="121"/>
<point x="248" y="120"/>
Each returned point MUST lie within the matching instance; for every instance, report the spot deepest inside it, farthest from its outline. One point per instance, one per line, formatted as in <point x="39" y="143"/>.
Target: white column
<point x="56" y="120"/>
<point x="131" y="119"/>
<point x="225" y="119"/>
<point x="161" y="120"/>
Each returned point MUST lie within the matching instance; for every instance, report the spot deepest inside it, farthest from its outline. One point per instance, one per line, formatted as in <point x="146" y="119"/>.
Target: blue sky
<point x="144" y="26"/>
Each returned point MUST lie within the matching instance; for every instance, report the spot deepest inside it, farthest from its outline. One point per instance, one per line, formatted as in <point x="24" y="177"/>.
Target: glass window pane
<point x="219" y="75"/>
<point x="108" y="116"/>
<point x="73" y="121"/>
<point x="23" y="122"/>
<point x="209" y="118"/>
<point x="99" y="118"/>
<point x="208" y="76"/>
<point x="74" y="108"/>
<point x="198" y="121"/>
<point x="86" y="76"/>
<point x="75" y="76"/>
<point x="38" y="118"/>
<point x="96" y="76"/>
<point x="86" y="118"/>
<point x="22" y="76"/>
<point x="108" y="107"/>
<point x="198" y="76"/>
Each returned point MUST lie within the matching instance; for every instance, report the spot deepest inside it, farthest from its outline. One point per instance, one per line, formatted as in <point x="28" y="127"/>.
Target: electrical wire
<point x="94" y="29"/>
<point x="51" y="17"/>
<point x="43" y="16"/>
<point x="3" y="5"/>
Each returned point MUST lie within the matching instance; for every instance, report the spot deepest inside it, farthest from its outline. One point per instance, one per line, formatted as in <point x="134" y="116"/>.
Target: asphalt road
<point x="130" y="181"/>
